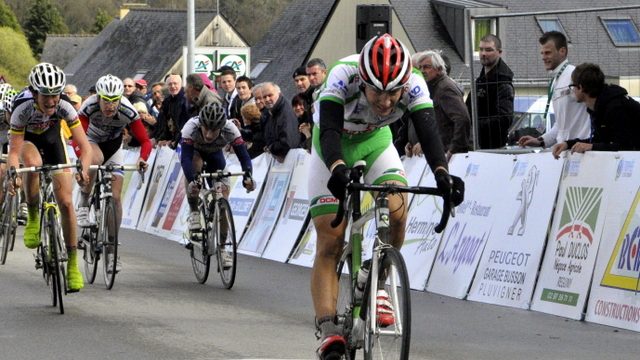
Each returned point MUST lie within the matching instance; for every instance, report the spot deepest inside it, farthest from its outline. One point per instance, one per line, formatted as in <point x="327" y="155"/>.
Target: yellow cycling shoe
<point x="75" y="281"/>
<point x="32" y="233"/>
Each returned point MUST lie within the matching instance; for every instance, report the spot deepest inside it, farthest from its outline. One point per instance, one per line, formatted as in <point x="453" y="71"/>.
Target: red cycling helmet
<point x="385" y="63"/>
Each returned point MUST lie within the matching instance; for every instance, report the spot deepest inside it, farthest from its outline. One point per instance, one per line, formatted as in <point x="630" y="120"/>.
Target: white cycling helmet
<point x="212" y="116"/>
<point x="110" y="87"/>
<point x="7" y="99"/>
<point x="47" y="79"/>
<point x="4" y="88"/>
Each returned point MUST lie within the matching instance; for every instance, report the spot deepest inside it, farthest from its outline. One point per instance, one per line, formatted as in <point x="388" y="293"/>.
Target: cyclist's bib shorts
<point x="50" y="144"/>
<point x="112" y="153"/>
<point x="374" y="147"/>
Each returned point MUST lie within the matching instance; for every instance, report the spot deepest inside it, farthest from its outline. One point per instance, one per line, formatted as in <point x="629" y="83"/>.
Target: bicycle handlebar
<point x="219" y="174"/>
<point x="356" y="185"/>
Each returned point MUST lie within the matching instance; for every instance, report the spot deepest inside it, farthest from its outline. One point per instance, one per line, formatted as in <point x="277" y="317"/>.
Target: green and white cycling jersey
<point x="343" y="86"/>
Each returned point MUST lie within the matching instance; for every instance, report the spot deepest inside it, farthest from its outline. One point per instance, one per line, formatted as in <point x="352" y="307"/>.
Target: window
<point x="482" y="27"/>
<point x="260" y="66"/>
<point x="623" y="32"/>
<point x="551" y="24"/>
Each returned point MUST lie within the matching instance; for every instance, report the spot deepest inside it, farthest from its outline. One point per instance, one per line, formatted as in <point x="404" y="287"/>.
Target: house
<point x="60" y="49"/>
<point x="328" y="31"/>
<point x="146" y="43"/>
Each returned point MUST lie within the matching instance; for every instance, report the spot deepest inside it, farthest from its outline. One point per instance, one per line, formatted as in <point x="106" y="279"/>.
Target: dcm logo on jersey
<point x="623" y="269"/>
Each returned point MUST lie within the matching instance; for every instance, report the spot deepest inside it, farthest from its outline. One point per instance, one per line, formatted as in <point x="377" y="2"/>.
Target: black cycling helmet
<point x="212" y="116"/>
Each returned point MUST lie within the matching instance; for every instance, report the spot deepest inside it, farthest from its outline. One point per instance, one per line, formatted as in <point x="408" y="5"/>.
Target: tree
<point x="8" y="18"/>
<point x="102" y="20"/>
<point x="15" y="64"/>
<point x="44" y="18"/>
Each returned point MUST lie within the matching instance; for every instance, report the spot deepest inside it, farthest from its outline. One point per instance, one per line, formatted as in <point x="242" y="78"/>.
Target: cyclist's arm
<point x="80" y="138"/>
<point x="425" y="124"/>
<point x="240" y="149"/>
<point x="331" y="124"/>
<point x="140" y="133"/>
<point x="186" y="158"/>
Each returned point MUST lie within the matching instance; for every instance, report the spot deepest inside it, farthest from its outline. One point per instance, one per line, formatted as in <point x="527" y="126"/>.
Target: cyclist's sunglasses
<point x="110" y="99"/>
<point x="51" y="91"/>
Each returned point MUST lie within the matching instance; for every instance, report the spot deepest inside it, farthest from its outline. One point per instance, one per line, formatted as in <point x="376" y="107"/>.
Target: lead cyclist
<point x="362" y="95"/>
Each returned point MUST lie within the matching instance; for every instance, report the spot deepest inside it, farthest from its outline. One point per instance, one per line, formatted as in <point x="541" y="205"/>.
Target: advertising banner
<point x="305" y="251"/>
<point x="156" y="185"/>
<point x="294" y="213"/>
<point x="570" y="255"/>
<point x="134" y="188"/>
<point x="170" y="201"/>
<point x="507" y="271"/>
<point x="486" y="177"/>
<point x="414" y="168"/>
<point x="242" y="203"/>
<point x="421" y="240"/>
<point x="614" y="298"/>
<point x="255" y="239"/>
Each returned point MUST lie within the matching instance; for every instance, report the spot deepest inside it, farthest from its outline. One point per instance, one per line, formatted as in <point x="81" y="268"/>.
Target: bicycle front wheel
<point x="388" y="326"/>
<point x="109" y="237"/>
<point x="5" y="228"/>
<point x="200" y="257"/>
<point x="227" y="246"/>
<point x="53" y="243"/>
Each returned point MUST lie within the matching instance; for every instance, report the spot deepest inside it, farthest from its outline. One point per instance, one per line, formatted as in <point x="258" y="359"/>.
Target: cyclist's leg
<point x="31" y="185"/>
<point x="324" y="283"/>
<point x="386" y="167"/>
<point x="116" y="159"/>
<point x="192" y="197"/>
<point x="85" y="191"/>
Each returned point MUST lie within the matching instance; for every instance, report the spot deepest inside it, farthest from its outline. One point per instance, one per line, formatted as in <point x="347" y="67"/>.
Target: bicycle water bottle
<point x="363" y="274"/>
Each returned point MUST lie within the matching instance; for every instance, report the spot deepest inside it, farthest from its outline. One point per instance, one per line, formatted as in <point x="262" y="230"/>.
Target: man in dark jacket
<point x="495" y="95"/>
<point x="614" y="115"/>
<point x="281" y="129"/>
<point x="173" y="114"/>
<point x="451" y="113"/>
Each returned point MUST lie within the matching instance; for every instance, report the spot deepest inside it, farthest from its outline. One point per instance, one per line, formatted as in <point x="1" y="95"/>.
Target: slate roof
<point x="150" y="39"/>
<point x="60" y="49"/>
<point x="289" y="41"/>
<point x="292" y="37"/>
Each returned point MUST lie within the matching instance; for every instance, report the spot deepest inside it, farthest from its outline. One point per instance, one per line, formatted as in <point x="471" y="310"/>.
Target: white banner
<point x="170" y="205"/>
<point x="305" y="251"/>
<point x="615" y="293"/>
<point x="295" y="211"/>
<point x="566" y="271"/>
<point x="414" y="168"/>
<point x="242" y="203"/>
<point x="134" y="188"/>
<point x="509" y="265"/>
<point x="156" y="186"/>
<point x="464" y="239"/>
<point x="255" y="239"/>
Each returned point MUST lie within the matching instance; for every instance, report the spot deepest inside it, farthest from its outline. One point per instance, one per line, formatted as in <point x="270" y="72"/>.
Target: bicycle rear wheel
<point x="109" y="237"/>
<point x="392" y="339"/>
<point x="227" y="246"/>
<point x="200" y="257"/>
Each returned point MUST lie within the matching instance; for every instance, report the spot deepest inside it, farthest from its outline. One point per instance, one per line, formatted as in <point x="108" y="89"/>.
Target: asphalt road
<point x="157" y="311"/>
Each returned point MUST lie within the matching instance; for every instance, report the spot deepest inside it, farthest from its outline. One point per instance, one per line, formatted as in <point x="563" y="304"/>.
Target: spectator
<point x="451" y="113"/>
<point x="259" y="99"/>
<point x="141" y="88"/>
<point x="158" y="91"/>
<point x="92" y="90"/>
<point x="173" y="113"/>
<point x="572" y="120"/>
<point x="218" y="74"/>
<point x="281" y="129"/>
<point x="76" y="101"/>
<point x="614" y="114"/>
<point x="207" y="82"/>
<point x="140" y="104"/>
<point x="495" y="95"/>
<point x="243" y="88"/>
<point x="316" y="71"/>
<point x="252" y="129"/>
<point x="301" y="80"/>
<point x="198" y="94"/>
<point x="228" y="85"/>
<point x="70" y="90"/>
<point x="305" y="123"/>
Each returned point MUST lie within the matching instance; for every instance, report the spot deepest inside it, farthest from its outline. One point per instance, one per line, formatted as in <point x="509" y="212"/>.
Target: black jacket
<point x="173" y="115"/>
<point x="281" y="130"/>
<point x="615" y="121"/>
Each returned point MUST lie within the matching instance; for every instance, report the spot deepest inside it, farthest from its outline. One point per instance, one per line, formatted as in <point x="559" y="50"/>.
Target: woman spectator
<point x="252" y="129"/>
<point x="305" y="123"/>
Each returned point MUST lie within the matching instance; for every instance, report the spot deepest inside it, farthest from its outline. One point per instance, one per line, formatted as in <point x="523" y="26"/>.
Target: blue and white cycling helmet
<point x="47" y="79"/>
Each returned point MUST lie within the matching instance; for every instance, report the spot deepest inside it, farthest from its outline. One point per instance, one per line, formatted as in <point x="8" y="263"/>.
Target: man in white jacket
<point x="572" y="120"/>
